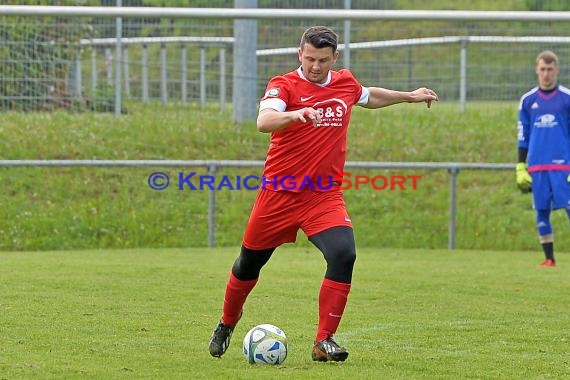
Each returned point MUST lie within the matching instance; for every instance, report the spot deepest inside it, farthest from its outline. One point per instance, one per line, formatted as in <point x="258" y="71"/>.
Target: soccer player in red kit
<point x="307" y="112"/>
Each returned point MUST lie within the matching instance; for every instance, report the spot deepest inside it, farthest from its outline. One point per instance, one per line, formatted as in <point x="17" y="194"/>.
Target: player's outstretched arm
<point x="383" y="97"/>
<point x="270" y="120"/>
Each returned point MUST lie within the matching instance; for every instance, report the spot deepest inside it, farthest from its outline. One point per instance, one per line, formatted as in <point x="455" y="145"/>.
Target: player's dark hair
<point x="320" y="37"/>
<point x="548" y="57"/>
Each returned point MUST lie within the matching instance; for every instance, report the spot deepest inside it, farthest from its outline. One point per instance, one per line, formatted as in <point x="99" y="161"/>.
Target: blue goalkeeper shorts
<point x="550" y="190"/>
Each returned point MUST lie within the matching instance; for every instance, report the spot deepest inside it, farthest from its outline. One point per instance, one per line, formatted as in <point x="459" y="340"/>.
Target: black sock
<point x="548" y="249"/>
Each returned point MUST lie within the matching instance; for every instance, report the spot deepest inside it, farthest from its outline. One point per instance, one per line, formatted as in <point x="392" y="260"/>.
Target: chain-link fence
<point x="50" y="62"/>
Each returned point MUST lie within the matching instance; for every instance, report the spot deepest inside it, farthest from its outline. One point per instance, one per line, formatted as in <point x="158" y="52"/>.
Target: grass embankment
<point x="75" y="208"/>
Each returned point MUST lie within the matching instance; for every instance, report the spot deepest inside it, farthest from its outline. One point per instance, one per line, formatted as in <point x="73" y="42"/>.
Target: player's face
<point x="547" y="74"/>
<point x="316" y="63"/>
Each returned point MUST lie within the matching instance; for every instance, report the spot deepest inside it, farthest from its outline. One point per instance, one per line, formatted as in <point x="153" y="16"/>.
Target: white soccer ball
<point x="265" y="344"/>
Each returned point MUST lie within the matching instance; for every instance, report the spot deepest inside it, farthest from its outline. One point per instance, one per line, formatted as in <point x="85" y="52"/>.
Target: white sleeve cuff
<point x="363" y="97"/>
<point x="273" y="103"/>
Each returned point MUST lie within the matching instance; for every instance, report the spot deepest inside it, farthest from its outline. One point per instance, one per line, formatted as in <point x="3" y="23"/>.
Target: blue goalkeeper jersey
<point x="544" y="128"/>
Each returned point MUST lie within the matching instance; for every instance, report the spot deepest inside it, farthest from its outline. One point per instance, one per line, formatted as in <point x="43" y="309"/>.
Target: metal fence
<point x="179" y="87"/>
<point x="453" y="168"/>
<point x="138" y="81"/>
<point x="50" y="56"/>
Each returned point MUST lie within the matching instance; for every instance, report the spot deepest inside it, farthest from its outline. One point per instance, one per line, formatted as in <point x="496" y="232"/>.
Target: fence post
<point x="126" y="64"/>
<point x="109" y="65"/>
<point x="163" y="75"/>
<point x="184" y="74"/>
<point x="93" y="75"/>
<point x="463" y="74"/>
<point x="245" y="92"/>
<point x="144" y="77"/>
<point x="222" y="78"/>
<point x="76" y="85"/>
<point x="212" y="210"/>
<point x="118" y="58"/>
<point x="202" y="77"/>
<point x="410" y="67"/>
<point x="454" y="172"/>
<point x="346" y="52"/>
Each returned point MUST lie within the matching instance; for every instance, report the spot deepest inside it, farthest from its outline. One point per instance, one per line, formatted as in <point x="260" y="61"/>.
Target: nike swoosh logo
<point x="347" y="219"/>
<point x="335" y="315"/>
<point x="305" y="99"/>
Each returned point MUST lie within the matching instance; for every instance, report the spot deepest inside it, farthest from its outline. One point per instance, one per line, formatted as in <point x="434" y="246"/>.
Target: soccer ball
<point x="265" y="344"/>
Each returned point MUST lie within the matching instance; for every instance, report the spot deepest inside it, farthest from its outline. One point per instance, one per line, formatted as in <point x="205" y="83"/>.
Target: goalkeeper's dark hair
<point x="320" y="37"/>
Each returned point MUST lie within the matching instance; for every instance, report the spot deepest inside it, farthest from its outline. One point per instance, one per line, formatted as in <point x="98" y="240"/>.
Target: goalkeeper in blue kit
<point x="543" y="166"/>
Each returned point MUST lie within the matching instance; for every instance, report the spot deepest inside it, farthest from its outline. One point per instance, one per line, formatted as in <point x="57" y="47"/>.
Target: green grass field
<point x="412" y="314"/>
<point x="97" y="280"/>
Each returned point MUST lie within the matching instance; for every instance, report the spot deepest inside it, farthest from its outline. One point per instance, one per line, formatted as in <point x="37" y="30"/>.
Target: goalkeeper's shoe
<point x="329" y="350"/>
<point x="220" y="339"/>
<point x="548" y="263"/>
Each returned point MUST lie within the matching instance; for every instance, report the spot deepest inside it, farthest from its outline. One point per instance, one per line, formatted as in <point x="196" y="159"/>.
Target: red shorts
<point x="277" y="216"/>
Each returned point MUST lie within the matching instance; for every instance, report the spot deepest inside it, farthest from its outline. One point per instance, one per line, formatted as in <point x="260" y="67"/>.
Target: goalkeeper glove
<point x="524" y="180"/>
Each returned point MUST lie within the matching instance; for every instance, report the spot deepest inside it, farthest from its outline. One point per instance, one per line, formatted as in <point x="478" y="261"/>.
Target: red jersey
<point x="303" y="151"/>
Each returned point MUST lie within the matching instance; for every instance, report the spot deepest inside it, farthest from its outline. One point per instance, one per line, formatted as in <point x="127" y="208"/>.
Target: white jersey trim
<point x="272" y="103"/>
<point x="526" y="95"/>
<point x="363" y="96"/>
<point x="564" y="89"/>
<point x="302" y="76"/>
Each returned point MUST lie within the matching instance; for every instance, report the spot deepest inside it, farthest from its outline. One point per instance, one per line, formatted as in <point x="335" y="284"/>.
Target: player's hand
<point x="424" y="95"/>
<point x="307" y="113"/>
<point x="524" y="180"/>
